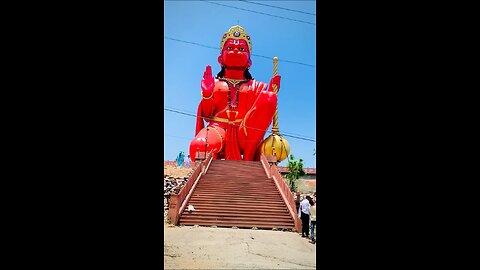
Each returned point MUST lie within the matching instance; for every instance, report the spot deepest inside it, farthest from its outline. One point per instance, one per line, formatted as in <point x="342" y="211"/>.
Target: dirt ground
<point x="193" y="247"/>
<point x="188" y="247"/>
<point x="175" y="171"/>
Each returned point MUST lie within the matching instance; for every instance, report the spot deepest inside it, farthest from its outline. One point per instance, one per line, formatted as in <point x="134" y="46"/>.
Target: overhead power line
<point x="194" y="43"/>
<point x="191" y="138"/>
<point x="285" y="18"/>
<point x="293" y="10"/>
<point x="286" y="61"/>
<point x="218" y="48"/>
<point x="207" y="118"/>
<point x="178" y="137"/>
<point x="193" y="114"/>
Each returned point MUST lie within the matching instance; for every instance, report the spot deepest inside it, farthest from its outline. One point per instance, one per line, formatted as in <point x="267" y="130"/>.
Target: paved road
<point x="191" y="247"/>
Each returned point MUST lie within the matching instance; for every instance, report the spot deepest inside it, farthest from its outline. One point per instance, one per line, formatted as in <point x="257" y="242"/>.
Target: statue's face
<point x="235" y="54"/>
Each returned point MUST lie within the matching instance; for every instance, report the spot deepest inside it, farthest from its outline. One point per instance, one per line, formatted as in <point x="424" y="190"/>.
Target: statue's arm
<point x="206" y="106"/>
<point x="258" y="88"/>
<point x="205" y="112"/>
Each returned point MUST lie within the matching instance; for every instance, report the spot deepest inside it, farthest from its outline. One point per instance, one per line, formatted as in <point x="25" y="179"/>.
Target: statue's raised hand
<point x="208" y="82"/>
<point x="274" y="81"/>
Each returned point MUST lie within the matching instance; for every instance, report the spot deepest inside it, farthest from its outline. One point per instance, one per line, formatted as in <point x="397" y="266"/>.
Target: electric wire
<point x="288" y="133"/>
<point x="257" y="55"/>
<point x="208" y="118"/>
<point x="178" y="137"/>
<point x="190" y="139"/>
<point x="293" y="10"/>
<point x="194" y="43"/>
<point x="285" y="18"/>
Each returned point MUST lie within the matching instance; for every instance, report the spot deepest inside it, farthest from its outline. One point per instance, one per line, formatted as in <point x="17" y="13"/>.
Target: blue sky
<point x="204" y="23"/>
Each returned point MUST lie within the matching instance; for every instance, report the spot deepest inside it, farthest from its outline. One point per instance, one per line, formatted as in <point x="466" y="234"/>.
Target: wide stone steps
<point x="236" y="164"/>
<point x="238" y="171"/>
<point x="236" y="206"/>
<point x="246" y="190"/>
<point x="257" y="215"/>
<point x="252" y="202"/>
<point x="219" y="215"/>
<point x="230" y="195"/>
<point x="232" y="203"/>
<point x="231" y="177"/>
<point x="237" y="194"/>
<point x="220" y="184"/>
<point x="241" y="178"/>
<point x="239" y="210"/>
<point x="240" y="224"/>
<point x="260" y="189"/>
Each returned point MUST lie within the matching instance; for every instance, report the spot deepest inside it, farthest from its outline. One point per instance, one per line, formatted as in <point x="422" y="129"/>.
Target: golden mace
<point x="275" y="144"/>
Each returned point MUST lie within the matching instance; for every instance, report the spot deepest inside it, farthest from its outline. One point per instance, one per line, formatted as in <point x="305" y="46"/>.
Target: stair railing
<point x="287" y="195"/>
<point x="265" y="164"/>
<point x="178" y="202"/>
<point x="208" y="161"/>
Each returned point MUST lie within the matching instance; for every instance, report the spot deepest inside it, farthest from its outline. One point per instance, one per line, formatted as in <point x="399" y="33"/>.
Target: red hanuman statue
<point x="238" y="108"/>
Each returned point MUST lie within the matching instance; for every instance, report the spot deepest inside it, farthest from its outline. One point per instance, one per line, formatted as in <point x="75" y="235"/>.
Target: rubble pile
<point x="173" y="184"/>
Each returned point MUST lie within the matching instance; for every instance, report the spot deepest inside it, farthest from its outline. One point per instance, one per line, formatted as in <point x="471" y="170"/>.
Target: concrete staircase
<point x="237" y="193"/>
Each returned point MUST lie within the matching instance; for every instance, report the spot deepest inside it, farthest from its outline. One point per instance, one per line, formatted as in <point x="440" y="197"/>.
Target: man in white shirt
<point x="304" y="214"/>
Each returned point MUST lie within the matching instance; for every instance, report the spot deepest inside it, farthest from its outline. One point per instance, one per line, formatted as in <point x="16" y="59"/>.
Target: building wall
<point x="306" y="183"/>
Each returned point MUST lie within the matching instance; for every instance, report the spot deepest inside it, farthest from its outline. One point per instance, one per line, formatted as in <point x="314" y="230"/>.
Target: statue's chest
<point x="231" y="95"/>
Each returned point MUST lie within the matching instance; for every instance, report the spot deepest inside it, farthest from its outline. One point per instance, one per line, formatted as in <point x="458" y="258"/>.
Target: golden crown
<point x="236" y="32"/>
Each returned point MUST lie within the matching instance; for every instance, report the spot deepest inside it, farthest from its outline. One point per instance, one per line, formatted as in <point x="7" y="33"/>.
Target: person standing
<point x="304" y="214"/>
<point x="187" y="161"/>
<point x="313" y="220"/>
<point x="180" y="158"/>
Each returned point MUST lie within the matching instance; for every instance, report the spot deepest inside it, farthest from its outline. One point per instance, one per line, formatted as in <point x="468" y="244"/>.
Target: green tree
<point x="295" y="171"/>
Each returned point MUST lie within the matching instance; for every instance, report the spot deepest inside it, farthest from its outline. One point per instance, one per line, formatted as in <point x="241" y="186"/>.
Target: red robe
<point x="219" y="114"/>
